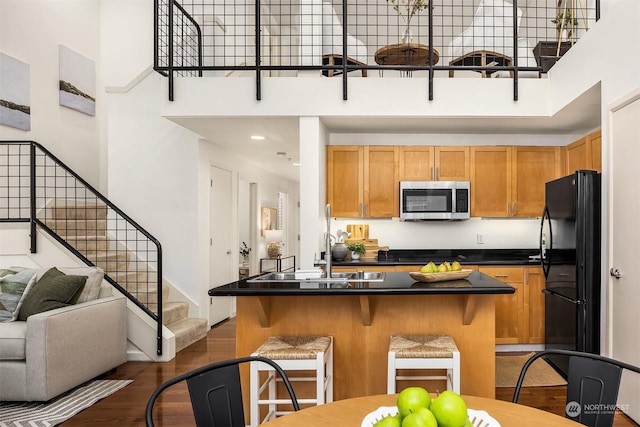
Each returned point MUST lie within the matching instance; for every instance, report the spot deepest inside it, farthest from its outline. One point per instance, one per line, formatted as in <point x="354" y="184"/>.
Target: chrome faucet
<point x="327" y="244"/>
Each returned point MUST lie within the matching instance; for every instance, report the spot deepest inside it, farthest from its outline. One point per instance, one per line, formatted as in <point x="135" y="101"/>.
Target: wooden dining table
<point x="351" y="412"/>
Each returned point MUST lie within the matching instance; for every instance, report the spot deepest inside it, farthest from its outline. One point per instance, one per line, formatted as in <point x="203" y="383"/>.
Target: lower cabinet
<point x="534" y="320"/>
<point x="519" y="316"/>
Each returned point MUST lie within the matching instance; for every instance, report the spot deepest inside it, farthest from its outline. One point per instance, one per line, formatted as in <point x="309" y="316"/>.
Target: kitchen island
<point x="361" y="316"/>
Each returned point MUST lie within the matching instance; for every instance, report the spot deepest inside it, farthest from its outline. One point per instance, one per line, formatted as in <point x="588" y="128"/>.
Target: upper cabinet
<point x="428" y="163"/>
<point x="509" y="181"/>
<point x="506" y="181"/>
<point x="490" y="181"/>
<point x="532" y="167"/>
<point x="585" y="153"/>
<point x="362" y="181"/>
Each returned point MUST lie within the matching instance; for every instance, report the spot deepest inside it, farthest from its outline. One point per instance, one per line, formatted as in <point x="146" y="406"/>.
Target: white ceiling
<point x="282" y="133"/>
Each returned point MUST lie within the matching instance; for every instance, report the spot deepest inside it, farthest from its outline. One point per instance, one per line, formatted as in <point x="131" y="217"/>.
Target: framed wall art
<point x="15" y="109"/>
<point x="77" y="81"/>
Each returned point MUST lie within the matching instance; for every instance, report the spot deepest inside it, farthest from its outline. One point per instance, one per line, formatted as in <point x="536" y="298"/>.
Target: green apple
<point x="389" y="421"/>
<point x="420" y="418"/>
<point x="449" y="409"/>
<point x="411" y="399"/>
<point x="468" y="423"/>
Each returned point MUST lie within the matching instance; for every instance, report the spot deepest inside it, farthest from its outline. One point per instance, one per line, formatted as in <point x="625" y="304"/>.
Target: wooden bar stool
<point x="423" y="352"/>
<point x="293" y="353"/>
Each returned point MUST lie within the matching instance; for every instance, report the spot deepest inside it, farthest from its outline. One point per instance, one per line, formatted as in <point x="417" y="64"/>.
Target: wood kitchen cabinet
<point x="362" y="181"/>
<point x="509" y="307"/>
<point x="519" y="316"/>
<point x="532" y="167"/>
<point x="534" y="305"/>
<point x="585" y="153"/>
<point x="428" y="163"/>
<point x="490" y="176"/>
<point x="509" y="181"/>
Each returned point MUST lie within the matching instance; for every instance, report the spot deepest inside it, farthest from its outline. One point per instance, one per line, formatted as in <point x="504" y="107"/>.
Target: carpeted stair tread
<point x="188" y="331"/>
<point x="84" y="226"/>
<point x="70" y="209"/>
<point x="174" y="311"/>
<point x="78" y="227"/>
<point x="147" y="293"/>
<point x="89" y="243"/>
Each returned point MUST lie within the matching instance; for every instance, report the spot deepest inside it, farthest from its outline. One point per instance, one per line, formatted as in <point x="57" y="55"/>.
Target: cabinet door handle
<point x="526" y="277"/>
<point x="366" y="209"/>
<point x="508" y="209"/>
<point x="431" y="175"/>
<point x="437" y="173"/>
<point x="515" y="207"/>
<point x="502" y="275"/>
<point x="360" y="212"/>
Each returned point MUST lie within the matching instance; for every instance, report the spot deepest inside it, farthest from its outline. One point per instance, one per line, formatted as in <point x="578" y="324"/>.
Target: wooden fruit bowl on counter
<point x="440" y="277"/>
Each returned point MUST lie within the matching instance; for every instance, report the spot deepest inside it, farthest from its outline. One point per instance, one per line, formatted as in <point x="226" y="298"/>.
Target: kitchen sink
<point x="354" y="276"/>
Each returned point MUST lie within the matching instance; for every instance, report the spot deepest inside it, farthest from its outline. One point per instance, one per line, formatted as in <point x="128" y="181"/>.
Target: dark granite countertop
<point x="395" y="283"/>
<point x="463" y="256"/>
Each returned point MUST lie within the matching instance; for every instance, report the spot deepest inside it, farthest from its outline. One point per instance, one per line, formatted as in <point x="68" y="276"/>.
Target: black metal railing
<point x="36" y="187"/>
<point x="226" y="37"/>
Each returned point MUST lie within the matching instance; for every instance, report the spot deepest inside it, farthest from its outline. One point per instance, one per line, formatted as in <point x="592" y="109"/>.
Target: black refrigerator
<point x="570" y="257"/>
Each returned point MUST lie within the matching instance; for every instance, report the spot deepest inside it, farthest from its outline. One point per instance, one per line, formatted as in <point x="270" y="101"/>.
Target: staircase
<point x="103" y="240"/>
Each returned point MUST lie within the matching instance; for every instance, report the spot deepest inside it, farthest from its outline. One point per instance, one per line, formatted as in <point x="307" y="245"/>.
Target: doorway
<point x="624" y="238"/>
<point x="221" y="262"/>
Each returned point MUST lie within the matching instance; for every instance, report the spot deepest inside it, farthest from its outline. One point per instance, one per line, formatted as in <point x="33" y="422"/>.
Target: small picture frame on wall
<point x="269" y="219"/>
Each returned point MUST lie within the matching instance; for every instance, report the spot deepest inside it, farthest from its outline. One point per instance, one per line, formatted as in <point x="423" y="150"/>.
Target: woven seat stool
<point x="423" y="352"/>
<point x="292" y="353"/>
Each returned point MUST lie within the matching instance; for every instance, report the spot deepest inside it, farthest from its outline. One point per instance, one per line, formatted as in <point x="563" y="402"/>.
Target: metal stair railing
<point x="192" y="36"/>
<point x="36" y="187"/>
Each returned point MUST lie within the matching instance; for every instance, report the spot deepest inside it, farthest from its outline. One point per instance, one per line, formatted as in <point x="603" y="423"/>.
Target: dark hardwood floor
<point x="126" y="407"/>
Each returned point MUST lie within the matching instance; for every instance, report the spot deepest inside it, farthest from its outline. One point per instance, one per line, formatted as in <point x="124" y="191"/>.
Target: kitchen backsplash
<point x="494" y="233"/>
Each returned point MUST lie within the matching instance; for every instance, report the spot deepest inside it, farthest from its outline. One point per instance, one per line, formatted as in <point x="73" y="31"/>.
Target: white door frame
<point x="629" y="394"/>
<point x="223" y="259"/>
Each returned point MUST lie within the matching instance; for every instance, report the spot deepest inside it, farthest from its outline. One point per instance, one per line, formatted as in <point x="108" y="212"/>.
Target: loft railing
<point x="36" y="187"/>
<point x="270" y="39"/>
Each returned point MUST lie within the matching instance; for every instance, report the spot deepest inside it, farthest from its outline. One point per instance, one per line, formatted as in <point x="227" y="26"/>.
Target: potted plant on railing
<point x="547" y="53"/>
<point x="357" y="249"/>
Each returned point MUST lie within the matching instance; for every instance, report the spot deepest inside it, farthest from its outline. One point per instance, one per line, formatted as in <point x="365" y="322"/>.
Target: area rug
<point x="60" y="409"/>
<point x="540" y="373"/>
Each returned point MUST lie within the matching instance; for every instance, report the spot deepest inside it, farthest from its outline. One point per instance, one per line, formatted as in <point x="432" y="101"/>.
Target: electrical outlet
<point x="480" y="239"/>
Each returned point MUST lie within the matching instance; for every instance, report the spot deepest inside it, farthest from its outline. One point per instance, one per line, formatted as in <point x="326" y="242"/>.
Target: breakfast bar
<point x="362" y="315"/>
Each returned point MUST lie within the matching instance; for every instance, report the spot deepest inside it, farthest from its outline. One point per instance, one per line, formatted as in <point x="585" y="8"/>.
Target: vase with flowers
<point x="407" y="9"/>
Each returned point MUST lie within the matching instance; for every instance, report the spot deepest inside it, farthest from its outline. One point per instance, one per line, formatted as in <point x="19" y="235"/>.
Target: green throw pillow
<point x="54" y="290"/>
<point x="13" y="291"/>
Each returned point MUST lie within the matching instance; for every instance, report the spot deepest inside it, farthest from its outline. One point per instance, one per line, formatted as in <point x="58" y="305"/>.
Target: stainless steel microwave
<point x="438" y="200"/>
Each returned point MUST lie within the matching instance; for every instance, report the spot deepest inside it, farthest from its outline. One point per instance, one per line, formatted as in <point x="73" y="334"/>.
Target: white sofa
<point x="57" y="350"/>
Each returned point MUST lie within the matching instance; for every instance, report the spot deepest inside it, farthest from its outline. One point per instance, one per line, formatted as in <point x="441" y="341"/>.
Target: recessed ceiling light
<point x="296" y="163"/>
<point x="257" y="137"/>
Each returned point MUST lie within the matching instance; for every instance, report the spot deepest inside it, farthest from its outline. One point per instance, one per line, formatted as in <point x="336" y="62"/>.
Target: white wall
<point x="159" y="172"/>
<point x="31" y="32"/>
<point x="496" y="233"/>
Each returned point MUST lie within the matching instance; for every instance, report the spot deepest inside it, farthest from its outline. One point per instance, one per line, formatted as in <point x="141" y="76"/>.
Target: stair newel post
<point x="170" y="42"/>
<point x="32" y="196"/>
<point x="159" y="337"/>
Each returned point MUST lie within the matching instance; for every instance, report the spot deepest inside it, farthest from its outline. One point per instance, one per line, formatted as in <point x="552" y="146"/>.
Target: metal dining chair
<point x="593" y="382"/>
<point x="215" y="391"/>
